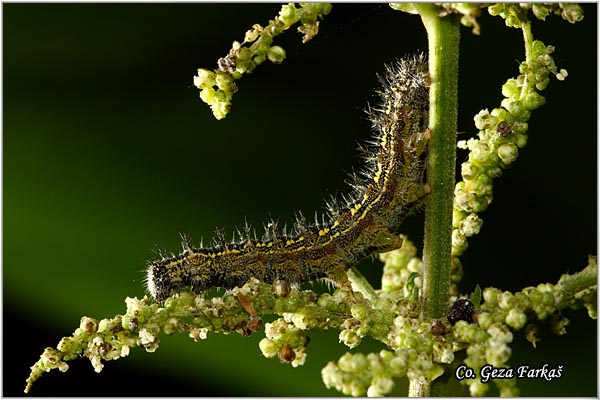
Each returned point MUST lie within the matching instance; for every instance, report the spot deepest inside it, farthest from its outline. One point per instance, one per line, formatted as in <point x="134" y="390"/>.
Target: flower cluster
<point x="503" y="131"/>
<point x="514" y="14"/>
<point x="285" y="341"/>
<point x="372" y="374"/>
<point x="399" y="267"/>
<point x="217" y="87"/>
<point x="417" y="349"/>
<point x="489" y="346"/>
<point x="535" y="309"/>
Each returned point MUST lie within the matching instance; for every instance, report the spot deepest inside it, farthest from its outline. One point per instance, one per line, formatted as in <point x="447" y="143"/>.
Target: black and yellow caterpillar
<point x="392" y="184"/>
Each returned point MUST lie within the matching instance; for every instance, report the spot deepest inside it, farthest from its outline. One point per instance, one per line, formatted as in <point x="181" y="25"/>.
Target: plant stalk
<point x="444" y="37"/>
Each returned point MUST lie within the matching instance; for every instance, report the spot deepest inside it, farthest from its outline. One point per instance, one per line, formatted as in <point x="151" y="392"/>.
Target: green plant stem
<point x="528" y="41"/>
<point x="573" y="284"/>
<point x="444" y="37"/>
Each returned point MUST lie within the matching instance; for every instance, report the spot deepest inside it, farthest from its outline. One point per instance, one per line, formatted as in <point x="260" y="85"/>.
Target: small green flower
<point x="276" y="54"/>
<point x="516" y="319"/>
<point x="477" y="388"/>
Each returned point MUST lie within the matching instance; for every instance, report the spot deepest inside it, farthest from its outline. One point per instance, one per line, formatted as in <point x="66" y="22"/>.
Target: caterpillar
<point x="391" y="185"/>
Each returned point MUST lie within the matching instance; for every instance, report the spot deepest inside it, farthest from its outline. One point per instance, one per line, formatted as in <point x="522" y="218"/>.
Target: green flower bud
<point x="480" y="152"/>
<point x="380" y="387"/>
<point x="268" y="348"/>
<point x="571" y="12"/>
<point x="465" y="332"/>
<point x="494" y="172"/>
<point x="497" y="353"/>
<point x="398" y="364"/>
<point x="508" y="153"/>
<point x="484" y="120"/>
<point x="198" y="333"/>
<point x="276" y="54"/>
<point x="490" y="296"/>
<point x="516" y="108"/>
<point x="65" y="344"/>
<point x="533" y="333"/>
<point x="349" y="338"/>
<point x="482" y="186"/>
<point x="533" y="100"/>
<point x="443" y="353"/>
<point x="459" y="242"/>
<point x="496" y="9"/>
<point x="288" y="14"/>
<point x="88" y="325"/>
<point x="457" y="217"/>
<point x="224" y="82"/>
<point x="512" y="21"/>
<point x="171" y="326"/>
<point x="243" y="56"/>
<point x="501" y="114"/>
<point x="516" y="319"/>
<point x="548" y="298"/>
<point x="208" y="96"/>
<point x="259" y="59"/>
<point x="477" y="388"/>
<point x="511" y="88"/>
<point x="520" y="140"/>
<point x="253" y="34"/>
<point x="147" y="339"/>
<point x="355" y="389"/>
<point x="500" y="333"/>
<point x="205" y="79"/>
<point x="469" y="170"/>
<point x="541" y="84"/>
<point x="558" y="324"/>
<point x="539" y="48"/>
<point x="376" y="365"/>
<point x="104" y="325"/>
<point x="263" y="46"/>
<point x="359" y="311"/>
<point x="522" y="301"/>
<point x="353" y="362"/>
<point x="540" y="12"/>
<point x="484" y="320"/>
<point x="519" y="127"/>
<point x="505" y="300"/>
<point x="471" y="225"/>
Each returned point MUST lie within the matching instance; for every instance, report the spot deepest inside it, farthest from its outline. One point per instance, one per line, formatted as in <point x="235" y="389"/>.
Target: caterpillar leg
<point x="388" y="241"/>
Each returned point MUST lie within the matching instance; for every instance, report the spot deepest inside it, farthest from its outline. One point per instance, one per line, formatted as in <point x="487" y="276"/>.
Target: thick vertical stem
<point x="444" y="37"/>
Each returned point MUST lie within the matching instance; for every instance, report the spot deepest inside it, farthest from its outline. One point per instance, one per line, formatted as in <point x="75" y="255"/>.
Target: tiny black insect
<point x="461" y="310"/>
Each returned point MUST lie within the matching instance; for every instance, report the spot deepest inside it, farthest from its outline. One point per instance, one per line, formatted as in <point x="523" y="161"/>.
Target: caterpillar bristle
<point x="219" y="239"/>
<point x="186" y="244"/>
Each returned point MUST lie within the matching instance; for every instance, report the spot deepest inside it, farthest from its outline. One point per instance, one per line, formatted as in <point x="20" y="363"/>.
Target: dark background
<point x="109" y="154"/>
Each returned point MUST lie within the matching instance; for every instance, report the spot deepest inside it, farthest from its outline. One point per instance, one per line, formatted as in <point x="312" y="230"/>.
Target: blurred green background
<point x="109" y="155"/>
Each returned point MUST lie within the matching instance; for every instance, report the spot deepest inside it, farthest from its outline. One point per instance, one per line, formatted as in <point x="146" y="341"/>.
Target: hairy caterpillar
<point x="391" y="185"/>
